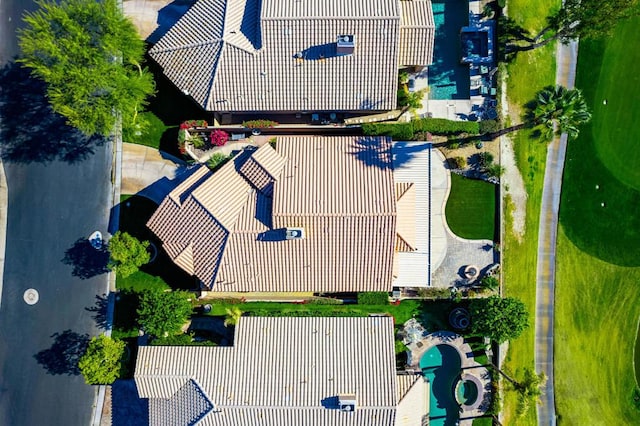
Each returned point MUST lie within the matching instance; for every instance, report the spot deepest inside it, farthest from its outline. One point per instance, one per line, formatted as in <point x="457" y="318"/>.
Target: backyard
<point x="597" y="297"/>
<point x="471" y="208"/>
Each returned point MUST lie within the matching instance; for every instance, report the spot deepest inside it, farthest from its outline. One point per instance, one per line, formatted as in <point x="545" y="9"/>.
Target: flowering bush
<point x="259" y="124"/>
<point x="193" y="123"/>
<point x="219" y="137"/>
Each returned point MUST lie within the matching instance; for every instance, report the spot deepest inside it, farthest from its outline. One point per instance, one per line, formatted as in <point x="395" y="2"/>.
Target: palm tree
<point x="555" y="109"/>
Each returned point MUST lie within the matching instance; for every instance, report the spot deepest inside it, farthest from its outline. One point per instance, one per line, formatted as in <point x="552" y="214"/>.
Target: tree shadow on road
<point x="87" y="262"/>
<point x="63" y="356"/>
<point x="100" y="311"/>
<point x="29" y="129"/>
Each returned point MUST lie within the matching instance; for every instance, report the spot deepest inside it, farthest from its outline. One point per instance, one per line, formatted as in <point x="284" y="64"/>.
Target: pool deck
<point x="468" y="367"/>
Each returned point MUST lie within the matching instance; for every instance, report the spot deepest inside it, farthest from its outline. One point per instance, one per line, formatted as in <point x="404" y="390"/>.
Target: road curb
<point x="4" y="209"/>
<point x="114" y="223"/>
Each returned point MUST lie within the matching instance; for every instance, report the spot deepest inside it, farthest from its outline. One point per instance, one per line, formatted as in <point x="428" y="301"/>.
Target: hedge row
<point x="397" y="131"/>
<point x="442" y="126"/>
<point x="373" y="298"/>
<point x="407" y="131"/>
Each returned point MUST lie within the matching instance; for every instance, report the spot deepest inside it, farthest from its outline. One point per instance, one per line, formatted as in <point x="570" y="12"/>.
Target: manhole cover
<point x="31" y="296"/>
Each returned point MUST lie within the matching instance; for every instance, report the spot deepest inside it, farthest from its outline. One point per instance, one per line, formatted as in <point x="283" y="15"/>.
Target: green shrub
<point x="196" y="140"/>
<point x="259" y="124"/>
<point x="495" y="170"/>
<point x="489" y="282"/>
<point x="224" y="301"/>
<point x="485" y="159"/>
<point x="410" y="99"/>
<point x="442" y="126"/>
<point x="182" y="135"/>
<point x="217" y="160"/>
<point x="324" y="301"/>
<point x="457" y="162"/>
<point x="373" y="298"/>
<point x="182" y="339"/>
<point x="397" y="131"/>
<point x="488" y="126"/>
<point x="454" y="145"/>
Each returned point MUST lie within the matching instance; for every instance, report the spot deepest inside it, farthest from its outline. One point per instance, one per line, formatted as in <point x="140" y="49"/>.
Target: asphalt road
<point x="51" y="206"/>
<point x="59" y="193"/>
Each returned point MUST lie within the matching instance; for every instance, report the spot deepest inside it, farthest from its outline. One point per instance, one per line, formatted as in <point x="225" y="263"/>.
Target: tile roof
<point x="412" y="172"/>
<point x="417" y="32"/>
<point x="282" y="371"/>
<point x="230" y="224"/>
<point x="239" y="55"/>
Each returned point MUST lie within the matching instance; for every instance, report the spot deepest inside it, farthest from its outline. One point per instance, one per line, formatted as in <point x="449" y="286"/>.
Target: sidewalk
<point x="143" y="166"/>
<point x="566" y="58"/>
<point x="4" y="206"/>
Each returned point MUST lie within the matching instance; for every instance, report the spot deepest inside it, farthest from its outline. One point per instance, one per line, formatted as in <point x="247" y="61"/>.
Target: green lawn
<point x="135" y="211"/>
<point x="619" y="84"/>
<point x="401" y="313"/>
<point x="589" y="183"/>
<point x="597" y="301"/>
<point x="471" y="208"/>
<point x="152" y="136"/>
<point x="597" y="307"/>
<point x="528" y="73"/>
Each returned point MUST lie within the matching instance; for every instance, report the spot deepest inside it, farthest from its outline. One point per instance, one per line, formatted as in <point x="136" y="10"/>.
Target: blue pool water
<point x="441" y="365"/>
<point x="448" y="78"/>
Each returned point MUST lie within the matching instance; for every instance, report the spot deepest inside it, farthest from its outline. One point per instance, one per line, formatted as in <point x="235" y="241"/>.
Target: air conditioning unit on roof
<point x="347" y="402"/>
<point x="295" y="234"/>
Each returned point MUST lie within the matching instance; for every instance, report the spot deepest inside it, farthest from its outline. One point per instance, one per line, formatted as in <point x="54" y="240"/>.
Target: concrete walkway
<point x="149" y="172"/>
<point x="566" y="57"/>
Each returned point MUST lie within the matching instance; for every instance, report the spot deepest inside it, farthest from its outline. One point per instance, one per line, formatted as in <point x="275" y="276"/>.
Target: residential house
<point x="314" y="214"/>
<point x="285" y="371"/>
<point x="292" y="56"/>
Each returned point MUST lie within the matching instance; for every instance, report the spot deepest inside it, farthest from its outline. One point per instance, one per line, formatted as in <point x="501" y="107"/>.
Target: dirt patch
<point x="512" y="179"/>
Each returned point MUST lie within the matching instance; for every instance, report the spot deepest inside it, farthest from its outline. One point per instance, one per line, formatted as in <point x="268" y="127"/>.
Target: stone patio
<point x="470" y="369"/>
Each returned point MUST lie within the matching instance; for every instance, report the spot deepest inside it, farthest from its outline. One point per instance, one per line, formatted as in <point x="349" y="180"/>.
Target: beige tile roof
<point x="234" y="233"/>
<point x="239" y="55"/>
<point x="283" y="371"/>
<point x="413" y="407"/>
<point x="417" y="33"/>
<point x="406" y="227"/>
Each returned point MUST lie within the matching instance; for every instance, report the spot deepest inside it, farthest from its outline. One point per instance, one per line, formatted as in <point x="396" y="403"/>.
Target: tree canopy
<point x="101" y="363"/>
<point x="575" y="19"/>
<point x="556" y="108"/>
<point x="89" y="54"/>
<point x="127" y="253"/>
<point x="162" y="313"/>
<point x="498" y="318"/>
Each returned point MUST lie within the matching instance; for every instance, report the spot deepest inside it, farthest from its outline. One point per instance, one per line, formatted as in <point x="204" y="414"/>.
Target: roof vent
<point x="345" y="44"/>
<point x="347" y="403"/>
<point x="295" y="234"/>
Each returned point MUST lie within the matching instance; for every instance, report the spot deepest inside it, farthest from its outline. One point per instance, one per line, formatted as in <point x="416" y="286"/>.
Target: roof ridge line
<point x="323" y="18"/>
<point x="153" y="50"/>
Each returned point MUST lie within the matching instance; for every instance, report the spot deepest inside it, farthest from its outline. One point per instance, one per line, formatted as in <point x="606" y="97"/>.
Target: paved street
<point x="59" y="192"/>
<point x="51" y="206"/>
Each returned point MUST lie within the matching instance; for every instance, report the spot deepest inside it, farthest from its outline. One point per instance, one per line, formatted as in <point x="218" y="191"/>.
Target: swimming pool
<point x="441" y="365"/>
<point x="448" y="78"/>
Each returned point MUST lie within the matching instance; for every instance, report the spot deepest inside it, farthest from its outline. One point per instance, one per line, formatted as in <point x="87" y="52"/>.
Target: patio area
<point x="470" y="371"/>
